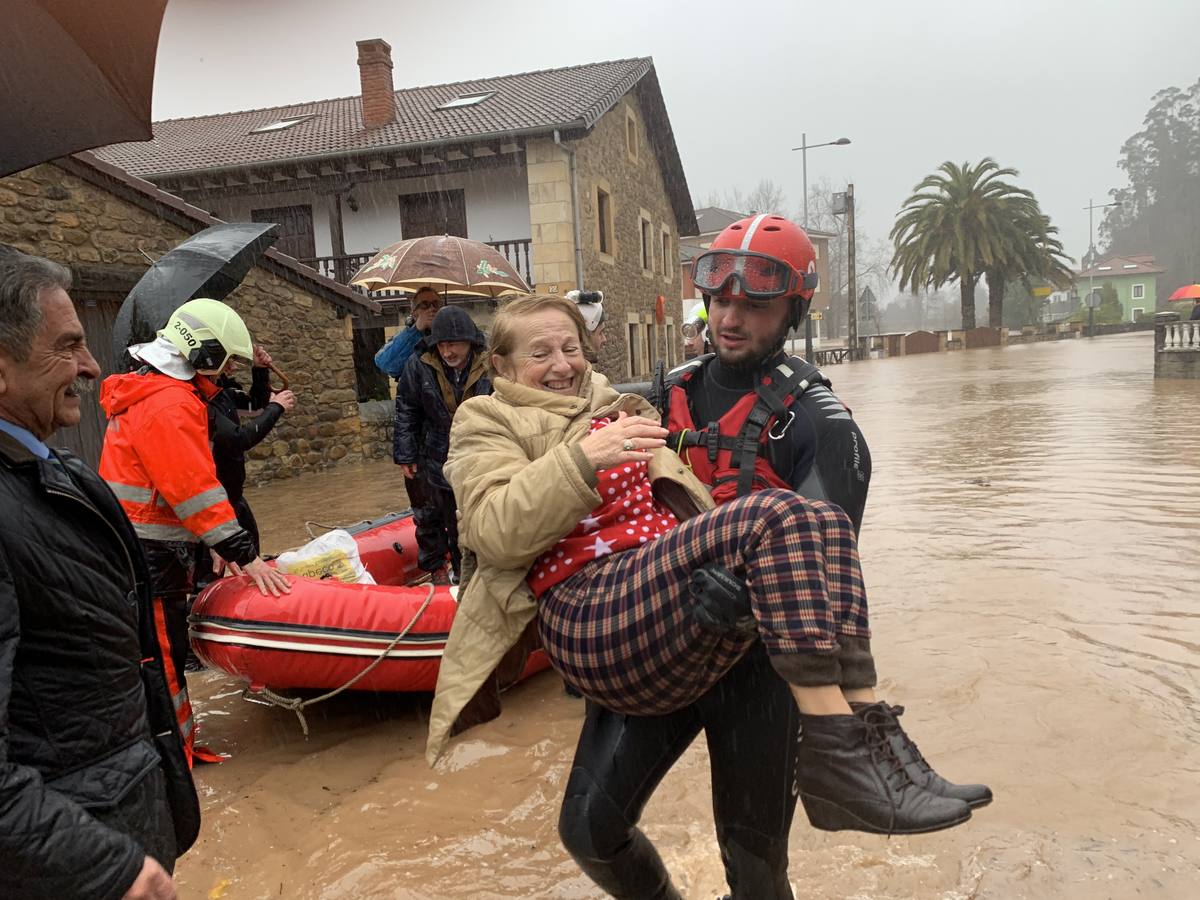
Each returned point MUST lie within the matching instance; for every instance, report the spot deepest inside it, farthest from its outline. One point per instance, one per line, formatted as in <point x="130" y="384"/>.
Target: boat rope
<point x="310" y="525"/>
<point x="296" y="705"/>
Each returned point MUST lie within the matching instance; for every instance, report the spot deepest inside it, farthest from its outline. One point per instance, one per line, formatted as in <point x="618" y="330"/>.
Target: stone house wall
<point x="617" y="158"/>
<point x="52" y="213"/>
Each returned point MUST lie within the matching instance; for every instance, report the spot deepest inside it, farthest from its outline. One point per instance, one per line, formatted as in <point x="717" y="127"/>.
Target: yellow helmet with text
<point x="208" y="332"/>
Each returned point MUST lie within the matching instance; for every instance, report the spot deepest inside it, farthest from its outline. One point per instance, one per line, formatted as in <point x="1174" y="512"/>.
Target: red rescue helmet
<point x="767" y="255"/>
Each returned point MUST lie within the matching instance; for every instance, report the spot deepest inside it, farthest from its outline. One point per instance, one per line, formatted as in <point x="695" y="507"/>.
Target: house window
<point x="1138" y="313"/>
<point x="465" y="100"/>
<point x="604" y="220"/>
<point x="296" y="235"/>
<point x="1139" y="292"/>
<point x="665" y="267"/>
<point x="647" y="244"/>
<point x="281" y="124"/>
<point x="631" y="138"/>
<point x="672" y="353"/>
<point x="635" y="349"/>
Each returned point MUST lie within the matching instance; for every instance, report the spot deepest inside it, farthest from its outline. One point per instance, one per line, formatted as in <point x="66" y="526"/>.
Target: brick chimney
<point x="375" y="72"/>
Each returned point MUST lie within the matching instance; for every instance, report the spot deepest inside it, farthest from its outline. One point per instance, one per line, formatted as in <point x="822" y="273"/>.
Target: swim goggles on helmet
<point x="757" y="274"/>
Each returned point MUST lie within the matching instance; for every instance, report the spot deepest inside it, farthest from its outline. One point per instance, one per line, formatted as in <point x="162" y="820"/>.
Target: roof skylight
<point x="281" y="124"/>
<point x="466" y="100"/>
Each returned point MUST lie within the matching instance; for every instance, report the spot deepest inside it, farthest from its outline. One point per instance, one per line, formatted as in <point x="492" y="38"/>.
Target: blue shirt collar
<point x="25" y="436"/>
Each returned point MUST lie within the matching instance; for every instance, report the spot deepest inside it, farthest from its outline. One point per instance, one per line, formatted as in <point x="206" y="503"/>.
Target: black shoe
<point x="974" y="795"/>
<point x="852" y="780"/>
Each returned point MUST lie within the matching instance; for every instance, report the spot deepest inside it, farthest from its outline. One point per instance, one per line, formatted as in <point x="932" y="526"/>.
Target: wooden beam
<point x="101" y="279"/>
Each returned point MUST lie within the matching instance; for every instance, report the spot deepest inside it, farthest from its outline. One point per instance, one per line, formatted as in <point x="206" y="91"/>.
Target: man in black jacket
<point x="96" y="800"/>
<point x="434" y="383"/>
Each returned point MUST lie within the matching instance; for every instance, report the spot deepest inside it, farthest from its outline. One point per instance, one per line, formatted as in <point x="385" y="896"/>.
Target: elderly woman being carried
<point x="577" y="518"/>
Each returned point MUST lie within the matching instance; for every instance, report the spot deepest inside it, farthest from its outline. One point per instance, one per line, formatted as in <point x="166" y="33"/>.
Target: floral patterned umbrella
<point x="443" y="262"/>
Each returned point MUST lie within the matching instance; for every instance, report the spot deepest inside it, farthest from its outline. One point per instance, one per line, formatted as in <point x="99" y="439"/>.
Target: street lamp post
<point x="804" y="147"/>
<point x="1092" y="252"/>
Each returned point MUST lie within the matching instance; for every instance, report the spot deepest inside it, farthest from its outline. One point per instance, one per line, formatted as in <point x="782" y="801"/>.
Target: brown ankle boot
<point x="852" y="780"/>
<point x="974" y="795"/>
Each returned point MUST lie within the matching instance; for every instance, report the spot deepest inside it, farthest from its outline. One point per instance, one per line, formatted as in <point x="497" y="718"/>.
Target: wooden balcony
<point x="342" y="268"/>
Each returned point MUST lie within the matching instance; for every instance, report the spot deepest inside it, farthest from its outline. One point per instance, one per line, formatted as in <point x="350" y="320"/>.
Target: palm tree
<point x="1034" y="253"/>
<point x="957" y="224"/>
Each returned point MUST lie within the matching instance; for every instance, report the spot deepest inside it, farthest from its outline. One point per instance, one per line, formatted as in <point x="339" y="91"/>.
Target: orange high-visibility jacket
<point x="157" y="460"/>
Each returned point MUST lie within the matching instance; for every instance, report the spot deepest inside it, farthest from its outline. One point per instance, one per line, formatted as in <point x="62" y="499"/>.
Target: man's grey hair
<point x="22" y="280"/>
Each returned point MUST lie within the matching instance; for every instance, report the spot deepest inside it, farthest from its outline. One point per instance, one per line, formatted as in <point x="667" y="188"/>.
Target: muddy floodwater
<point x="1030" y="547"/>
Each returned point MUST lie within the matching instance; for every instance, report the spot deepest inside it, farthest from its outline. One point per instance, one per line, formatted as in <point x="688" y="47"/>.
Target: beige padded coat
<point x="522" y="483"/>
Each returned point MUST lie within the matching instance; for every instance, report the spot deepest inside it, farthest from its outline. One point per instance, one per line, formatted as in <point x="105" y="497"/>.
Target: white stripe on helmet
<point x="750" y="231"/>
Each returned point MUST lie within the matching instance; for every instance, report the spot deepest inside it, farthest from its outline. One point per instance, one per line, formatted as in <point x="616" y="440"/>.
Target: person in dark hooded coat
<point x="434" y="383"/>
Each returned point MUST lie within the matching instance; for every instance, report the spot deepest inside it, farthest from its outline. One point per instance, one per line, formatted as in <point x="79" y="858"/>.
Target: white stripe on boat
<point x="327" y="649"/>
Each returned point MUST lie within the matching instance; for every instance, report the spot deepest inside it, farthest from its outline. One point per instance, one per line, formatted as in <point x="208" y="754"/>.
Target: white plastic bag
<point x="332" y="555"/>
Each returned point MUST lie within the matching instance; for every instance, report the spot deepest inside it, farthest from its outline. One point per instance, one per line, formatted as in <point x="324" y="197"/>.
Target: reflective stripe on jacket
<point x="157" y="460"/>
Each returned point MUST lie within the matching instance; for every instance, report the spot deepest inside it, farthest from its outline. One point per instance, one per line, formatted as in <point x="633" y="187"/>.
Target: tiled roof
<point x="712" y="219"/>
<point x="1111" y="266"/>
<point x="527" y="103"/>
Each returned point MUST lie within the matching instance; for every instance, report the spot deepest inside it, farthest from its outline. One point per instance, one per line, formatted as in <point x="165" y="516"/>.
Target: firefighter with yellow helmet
<point x="157" y="460"/>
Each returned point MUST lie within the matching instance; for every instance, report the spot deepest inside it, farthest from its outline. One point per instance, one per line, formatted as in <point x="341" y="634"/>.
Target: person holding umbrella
<point x="391" y="360"/>
<point x="157" y="461"/>
<point x="450" y="370"/>
<point x="231" y="438"/>
<point x="393" y="356"/>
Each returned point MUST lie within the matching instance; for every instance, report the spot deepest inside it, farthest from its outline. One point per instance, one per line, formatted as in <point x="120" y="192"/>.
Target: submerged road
<point x="1029" y="546"/>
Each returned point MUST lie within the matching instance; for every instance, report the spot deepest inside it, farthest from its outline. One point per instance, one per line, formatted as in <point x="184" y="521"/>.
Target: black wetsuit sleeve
<point x="838" y="467"/>
<point x="237" y="548"/>
<point x="230" y="438"/>
<point x="260" y="388"/>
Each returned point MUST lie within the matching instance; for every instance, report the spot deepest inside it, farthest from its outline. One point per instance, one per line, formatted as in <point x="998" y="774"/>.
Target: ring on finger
<point x="628" y="445"/>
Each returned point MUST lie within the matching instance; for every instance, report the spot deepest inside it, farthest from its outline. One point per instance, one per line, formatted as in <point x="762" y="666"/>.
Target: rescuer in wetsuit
<point x="789" y="432"/>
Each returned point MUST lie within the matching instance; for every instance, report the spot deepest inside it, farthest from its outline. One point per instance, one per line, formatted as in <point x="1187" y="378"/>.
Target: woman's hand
<point x="628" y="439"/>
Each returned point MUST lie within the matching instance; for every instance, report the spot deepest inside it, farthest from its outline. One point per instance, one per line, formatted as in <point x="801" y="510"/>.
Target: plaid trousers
<point x="621" y="629"/>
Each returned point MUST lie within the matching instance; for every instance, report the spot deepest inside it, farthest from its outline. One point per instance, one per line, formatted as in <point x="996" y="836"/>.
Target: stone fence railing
<point x="1177" y="350"/>
<point x="1177" y="336"/>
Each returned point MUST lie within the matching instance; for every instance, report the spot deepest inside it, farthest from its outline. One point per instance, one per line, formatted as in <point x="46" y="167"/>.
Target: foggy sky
<point x="1051" y="88"/>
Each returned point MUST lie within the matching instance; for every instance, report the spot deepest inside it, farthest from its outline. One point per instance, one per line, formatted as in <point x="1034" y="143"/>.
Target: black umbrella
<point x="74" y="76"/>
<point x="211" y="263"/>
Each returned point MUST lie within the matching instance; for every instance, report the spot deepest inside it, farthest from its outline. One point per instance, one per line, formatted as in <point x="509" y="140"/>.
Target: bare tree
<point x="871" y="256"/>
<point x="766" y="197"/>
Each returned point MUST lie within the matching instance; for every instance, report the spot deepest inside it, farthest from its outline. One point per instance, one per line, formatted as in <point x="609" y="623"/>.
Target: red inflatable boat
<point x="324" y="633"/>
